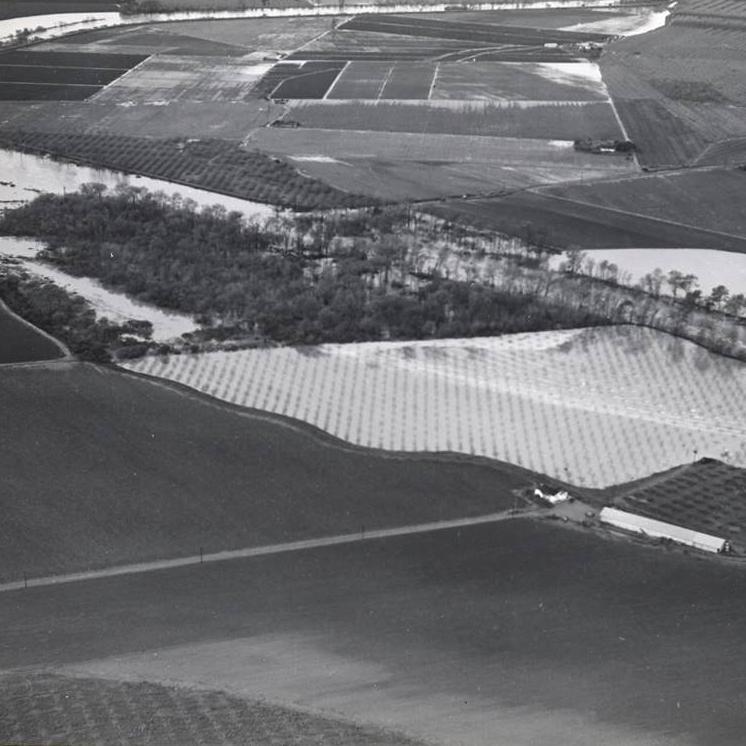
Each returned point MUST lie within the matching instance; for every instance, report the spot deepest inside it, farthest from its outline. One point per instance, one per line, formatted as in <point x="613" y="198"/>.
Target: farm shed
<point x="649" y="527"/>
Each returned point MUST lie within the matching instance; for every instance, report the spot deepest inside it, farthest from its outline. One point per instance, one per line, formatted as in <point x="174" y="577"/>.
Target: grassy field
<point x="520" y="633"/>
<point x="69" y="709"/>
<point x="21" y="343"/>
<point x="135" y="471"/>
<point x="554" y="402"/>
<point x="703" y="199"/>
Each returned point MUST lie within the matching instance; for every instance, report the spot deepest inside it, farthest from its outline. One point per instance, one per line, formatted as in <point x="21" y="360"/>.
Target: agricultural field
<point x="708" y="496"/>
<point x="158" y="472"/>
<point x="554" y="402"/>
<point x="475" y="33"/>
<point x="568" y="223"/>
<point x="426" y="166"/>
<point x="711" y="200"/>
<point x="199" y="79"/>
<point x="37" y="707"/>
<point x="561" y="121"/>
<point x="215" y="165"/>
<point x="22" y="343"/>
<point x="679" y="89"/>
<point x="521" y="632"/>
<point x="59" y="76"/>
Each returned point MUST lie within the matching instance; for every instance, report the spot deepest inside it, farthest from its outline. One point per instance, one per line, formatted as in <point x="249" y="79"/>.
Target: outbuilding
<point x="660" y="529"/>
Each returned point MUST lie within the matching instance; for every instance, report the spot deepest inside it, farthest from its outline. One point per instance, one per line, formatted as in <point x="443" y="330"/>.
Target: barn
<point x="649" y="527"/>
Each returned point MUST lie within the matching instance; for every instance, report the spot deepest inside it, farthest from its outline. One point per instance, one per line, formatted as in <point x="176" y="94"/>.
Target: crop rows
<point x="595" y="407"/>
<point x="561" y="122"/>
<point x="49" y="708"/>
<point x="706" y="496"/>
<point x="216" y="165"/>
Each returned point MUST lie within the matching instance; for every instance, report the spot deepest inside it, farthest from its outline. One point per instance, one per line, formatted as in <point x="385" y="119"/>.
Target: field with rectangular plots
<point x="28" y="75"/>
<point x="593" y="407"/>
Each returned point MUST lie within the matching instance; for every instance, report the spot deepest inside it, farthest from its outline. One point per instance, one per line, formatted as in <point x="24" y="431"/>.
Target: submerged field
<point x="592" y="407"/>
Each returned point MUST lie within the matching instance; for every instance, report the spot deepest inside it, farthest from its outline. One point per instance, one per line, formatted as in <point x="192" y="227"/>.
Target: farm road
<point x="260" y="551"/>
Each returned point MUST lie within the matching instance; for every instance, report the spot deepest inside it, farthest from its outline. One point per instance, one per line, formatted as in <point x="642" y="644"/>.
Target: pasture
<point x="557" y="403"/>
<point x="135" y="470"/>
<point x="507" y="633"/>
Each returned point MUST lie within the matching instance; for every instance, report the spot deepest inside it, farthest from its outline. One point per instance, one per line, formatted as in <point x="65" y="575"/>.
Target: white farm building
<point x="649" y="527"/>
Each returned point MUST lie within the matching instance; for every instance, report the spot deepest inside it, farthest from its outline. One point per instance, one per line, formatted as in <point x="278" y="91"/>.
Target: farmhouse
<point x="649" y="527"/>
<point x="551" y="495"/>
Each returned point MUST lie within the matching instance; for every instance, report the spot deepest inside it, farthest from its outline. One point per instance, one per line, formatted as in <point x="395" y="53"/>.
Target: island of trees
<point x="343" y="276"/>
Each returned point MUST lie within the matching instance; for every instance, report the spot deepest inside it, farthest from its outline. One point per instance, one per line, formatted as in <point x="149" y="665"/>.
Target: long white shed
<point x="650" y="527"/>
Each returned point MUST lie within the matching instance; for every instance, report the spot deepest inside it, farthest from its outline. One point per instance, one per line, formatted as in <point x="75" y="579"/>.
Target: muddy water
<point x="24" y="176"/>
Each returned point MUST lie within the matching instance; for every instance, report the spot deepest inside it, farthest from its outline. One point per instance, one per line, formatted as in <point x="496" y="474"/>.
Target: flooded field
<point x="25" y="176"/>
<point x="593" y="407"/>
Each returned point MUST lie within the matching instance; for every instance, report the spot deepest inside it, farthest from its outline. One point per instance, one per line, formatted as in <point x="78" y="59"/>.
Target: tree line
<point x="343" y="277"/>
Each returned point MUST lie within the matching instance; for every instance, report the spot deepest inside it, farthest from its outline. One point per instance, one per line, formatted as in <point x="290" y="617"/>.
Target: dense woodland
<point x="297" y="280"/>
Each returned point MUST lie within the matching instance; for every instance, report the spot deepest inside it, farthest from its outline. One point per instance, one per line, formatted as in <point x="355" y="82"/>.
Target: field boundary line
<point x="622" y="128"/>
<point x="121" y="77"/>
<point x="433" y="81"/>
<point x="268" y="549"/>
<point x="334" y="82"/>
<point x="385" y="81"/>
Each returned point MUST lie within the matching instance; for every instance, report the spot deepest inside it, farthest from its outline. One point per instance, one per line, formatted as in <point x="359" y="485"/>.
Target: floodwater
<point x="117" y="307"/>
<point x="711" y="267"/>
<point x="25" y="176"/>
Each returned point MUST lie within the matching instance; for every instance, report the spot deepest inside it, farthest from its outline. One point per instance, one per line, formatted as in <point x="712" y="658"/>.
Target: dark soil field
<point x="42" y="92"/>
<point x="45" y="76"/>
<point x="308" y="84"/>
<point x="574" y="224"/>
<point x="304" y="80"/>
<point x="100" y="468"/>
<point x="520" y="633"/>
<point x="21" y="343"/>
<point x="21" y="8"/>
